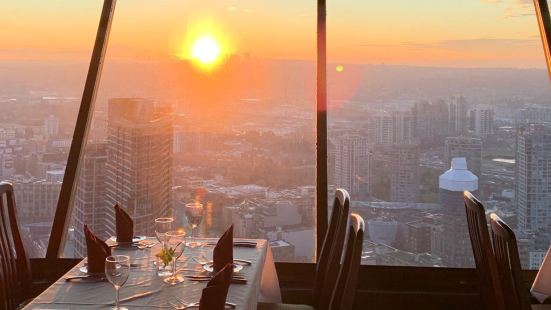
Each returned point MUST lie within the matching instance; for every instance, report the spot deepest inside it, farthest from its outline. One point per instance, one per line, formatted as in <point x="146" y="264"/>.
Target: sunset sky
<point x="462" y="33"/>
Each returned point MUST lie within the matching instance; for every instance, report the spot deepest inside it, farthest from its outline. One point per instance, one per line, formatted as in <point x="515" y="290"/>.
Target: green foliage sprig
<point x="166" y="255"/>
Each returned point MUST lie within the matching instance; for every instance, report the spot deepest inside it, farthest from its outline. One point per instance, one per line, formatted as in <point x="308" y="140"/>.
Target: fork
<point x="203" y="260"/>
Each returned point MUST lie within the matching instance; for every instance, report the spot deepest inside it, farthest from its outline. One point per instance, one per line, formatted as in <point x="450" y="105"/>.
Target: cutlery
<point x="201" y="278"/>
<point x="140" y="295"/>
<point x="86" y="278"/>
<point x="245" y="243"/>
<point x="184" y="306"/>
<point x="125" y="245"/>
<point x="146" y="246"/>
<point x="203" y="261"/>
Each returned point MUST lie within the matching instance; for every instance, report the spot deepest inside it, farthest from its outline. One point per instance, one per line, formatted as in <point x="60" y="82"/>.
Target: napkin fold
<point x="541" y="288"/>
<point x="98" y="251"/>
<point x="214" y="295"/>
<point x="125" y="225"/>
<point x="223" y="251"/>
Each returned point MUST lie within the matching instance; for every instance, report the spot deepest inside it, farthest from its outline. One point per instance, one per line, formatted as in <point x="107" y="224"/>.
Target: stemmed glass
<point x="117" y="270"/>
<point x="162" y="226"/>
<point x="194" y="215"/>
<point x="177" y="239"/>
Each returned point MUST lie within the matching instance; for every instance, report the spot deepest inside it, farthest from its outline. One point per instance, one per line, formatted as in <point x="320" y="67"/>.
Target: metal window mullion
<point x="544" y="23"/>
<point x="321" y="126"/>
<point x="64" y="204"/>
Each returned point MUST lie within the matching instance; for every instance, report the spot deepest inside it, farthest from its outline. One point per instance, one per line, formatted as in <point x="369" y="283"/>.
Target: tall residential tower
<point x="139" y="162"/>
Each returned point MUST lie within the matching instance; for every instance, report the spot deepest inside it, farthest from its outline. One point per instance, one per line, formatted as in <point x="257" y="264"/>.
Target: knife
<point x="86" y="278"/>
<point x="140" y="295"/>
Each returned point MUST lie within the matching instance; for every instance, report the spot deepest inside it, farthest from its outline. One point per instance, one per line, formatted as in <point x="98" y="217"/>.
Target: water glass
<point x="162" y="226"/>
<point x="194" y="215"/>
<point x="117" y="270"/>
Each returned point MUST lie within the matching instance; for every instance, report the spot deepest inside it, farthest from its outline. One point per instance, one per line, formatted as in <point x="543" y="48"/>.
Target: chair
<point x="486" y="265"/>
<point x="344" y="293"/>
<point x="15" y="274"/>
<point x="508" y="263"/>
<point x="327" y="266"/>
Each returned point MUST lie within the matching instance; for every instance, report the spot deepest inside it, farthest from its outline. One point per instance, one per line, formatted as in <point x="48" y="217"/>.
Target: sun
<point x="206" y="50"/>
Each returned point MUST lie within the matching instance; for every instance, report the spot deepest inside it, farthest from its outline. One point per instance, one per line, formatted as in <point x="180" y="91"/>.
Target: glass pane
<point x="210" y="101"/>
<point x="415" y="94"/>
<point x="45" y="49"/>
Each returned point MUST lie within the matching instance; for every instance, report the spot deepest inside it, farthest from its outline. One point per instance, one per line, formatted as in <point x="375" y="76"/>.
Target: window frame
<point x="65" y="202"/>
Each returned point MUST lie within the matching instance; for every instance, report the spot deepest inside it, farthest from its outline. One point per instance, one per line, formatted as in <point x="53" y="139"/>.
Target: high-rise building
<point x="404" y="174"/>
<point x="139" y="162"/>
<point x="396" y="168"/>
<point x="482" y="121"/>
<point x="430" y="121"/>
<point x="468" y="147"/>
<point x="381" y="128"/>
<point x="457" y="115"/>
<point x="454" y="242"/>
<point x="533" y="177"/>
<point x="89" y="198"/>
<point x="36" y="198"/>
<point x="352" y="162"/>
<point x="51" y="126"/>
<point x="394" y="127"/>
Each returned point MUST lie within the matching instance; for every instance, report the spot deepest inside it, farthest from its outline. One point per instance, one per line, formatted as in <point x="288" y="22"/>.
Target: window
<point x="414" y="91"/>
<point x="210" y="101"/>
<point x="44" y="52"/>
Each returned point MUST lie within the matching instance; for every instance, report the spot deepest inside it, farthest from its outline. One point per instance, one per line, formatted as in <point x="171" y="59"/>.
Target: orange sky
<point x="468" y="33"/>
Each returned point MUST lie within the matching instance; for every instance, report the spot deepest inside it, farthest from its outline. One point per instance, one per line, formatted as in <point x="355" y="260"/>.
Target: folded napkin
<point x="98" y="251"/>
<point x="214" y="295"/>
<point x="541" y="288"/>
<point x="223" y="251"/>
<point x="125" y="225"/>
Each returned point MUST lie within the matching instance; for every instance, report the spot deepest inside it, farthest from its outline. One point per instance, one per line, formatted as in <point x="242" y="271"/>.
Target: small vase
<point x="162" y="270"/>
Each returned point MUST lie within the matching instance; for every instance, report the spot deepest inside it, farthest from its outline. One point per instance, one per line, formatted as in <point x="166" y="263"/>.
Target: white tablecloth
<point x="262" y="283"/>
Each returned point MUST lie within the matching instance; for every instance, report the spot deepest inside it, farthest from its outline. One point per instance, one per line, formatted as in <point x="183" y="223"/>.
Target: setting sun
<point x="206" y="50"/>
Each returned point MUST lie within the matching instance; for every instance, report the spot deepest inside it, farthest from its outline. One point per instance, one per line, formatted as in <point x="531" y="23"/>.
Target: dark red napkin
<point x="98" y="251"/>
<point x="214" y="295"/>
<point x="223" y="251"/>
<point x="125" y="225"/>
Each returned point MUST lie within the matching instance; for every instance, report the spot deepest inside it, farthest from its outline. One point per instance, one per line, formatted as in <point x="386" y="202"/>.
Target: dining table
<point x="144" y="289"/>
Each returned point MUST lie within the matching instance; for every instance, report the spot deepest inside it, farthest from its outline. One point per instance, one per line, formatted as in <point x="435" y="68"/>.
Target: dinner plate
<point x="135" y="239"/>
<point x="209" y="267"/>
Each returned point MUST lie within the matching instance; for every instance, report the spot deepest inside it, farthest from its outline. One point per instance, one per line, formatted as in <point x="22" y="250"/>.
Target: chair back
<point x="345" y="291"/>
<point x="486" y="265"/>
<point x="15" y="275"/>
<point x="508" y="264"/>
<point x="327" y="267"/>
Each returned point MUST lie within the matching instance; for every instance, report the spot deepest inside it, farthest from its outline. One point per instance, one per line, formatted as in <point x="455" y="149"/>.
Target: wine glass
<point x="177" y="243"/>
<point x="194" y="215"/>
<point x="117" y="270"/>
<point x="162" y="226"/>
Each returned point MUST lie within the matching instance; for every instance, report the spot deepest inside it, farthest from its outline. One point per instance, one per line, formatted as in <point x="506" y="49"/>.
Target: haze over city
<point x="232" y="106"/>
